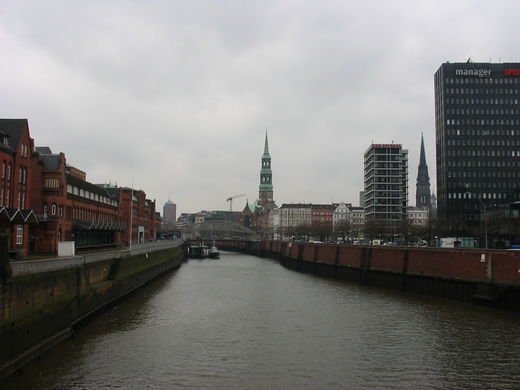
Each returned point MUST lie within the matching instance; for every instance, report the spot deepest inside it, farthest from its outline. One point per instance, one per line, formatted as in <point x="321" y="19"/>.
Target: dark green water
<point x="243" y="322"/>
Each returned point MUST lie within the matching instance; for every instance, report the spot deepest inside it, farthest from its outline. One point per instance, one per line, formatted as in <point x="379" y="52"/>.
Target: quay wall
<point x="39" y="310"/>
<point x="488" y="277"/>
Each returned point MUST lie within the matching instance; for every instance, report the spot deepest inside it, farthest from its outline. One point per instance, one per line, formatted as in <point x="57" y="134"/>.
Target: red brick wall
<point x="443" y="263"/>
<point x="387" y="259"/>
<point x="326" y="254"/>
<point x="350" y="256"/>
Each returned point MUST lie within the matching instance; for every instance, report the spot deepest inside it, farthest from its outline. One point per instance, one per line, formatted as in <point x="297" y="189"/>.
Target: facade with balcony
<point x="385" y="186"/>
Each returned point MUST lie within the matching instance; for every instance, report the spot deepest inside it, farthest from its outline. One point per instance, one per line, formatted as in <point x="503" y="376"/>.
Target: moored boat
<point x="214" y="253"/>
<point x="198" y="251"/>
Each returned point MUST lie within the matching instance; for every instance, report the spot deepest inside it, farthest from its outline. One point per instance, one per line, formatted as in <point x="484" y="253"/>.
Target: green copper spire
<point x="266" y="185"/>
<point x="266" y="146"/>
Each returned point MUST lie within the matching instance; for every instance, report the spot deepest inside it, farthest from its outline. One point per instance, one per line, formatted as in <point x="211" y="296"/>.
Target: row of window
<point x="483" y="80"/>
<point x="51" y="183"/>
<point x="481" y="101"/>
<point x="91" y="195"/>
<point x="482" y="91"/>
<point x="483" y="132"/>
<point x="483" y="164"/>
<point x="491" y="174"/>
<point x="5" y="198"/>
<point x="469" y="195"/>
<point x="24" y="150"/>
<point x="84" y="214"/>
<point x="482" y="111"/>
<point x="483" y="122"/>
<point x="6" y="172"/>
<point x="483" y="187"/>
<point x="56" y="210"/>
<point x="482" y="153"/>
<point x="6" y="168"/>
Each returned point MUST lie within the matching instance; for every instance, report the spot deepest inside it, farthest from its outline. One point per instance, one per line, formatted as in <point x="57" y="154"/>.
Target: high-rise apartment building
<point x="477" y="137"/>
<point x="386" y="185"/>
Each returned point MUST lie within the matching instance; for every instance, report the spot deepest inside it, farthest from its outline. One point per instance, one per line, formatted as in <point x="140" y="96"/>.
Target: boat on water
<point x="214" y="253"/>
<point x="198" y="251"/>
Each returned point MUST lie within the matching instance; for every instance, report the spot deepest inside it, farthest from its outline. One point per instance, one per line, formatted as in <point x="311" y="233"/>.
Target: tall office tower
<point x="386" y="185"/>
<point x="477" y="137"/>
<point x="169" y="214"/>
<point x="422" y="193"/>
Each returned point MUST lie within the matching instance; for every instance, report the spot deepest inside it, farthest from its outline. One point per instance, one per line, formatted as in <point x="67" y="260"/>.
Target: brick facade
<point x="44" y="201"/>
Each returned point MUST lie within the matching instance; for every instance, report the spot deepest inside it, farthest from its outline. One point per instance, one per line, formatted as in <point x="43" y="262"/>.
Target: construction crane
<point x="230" y="200"/>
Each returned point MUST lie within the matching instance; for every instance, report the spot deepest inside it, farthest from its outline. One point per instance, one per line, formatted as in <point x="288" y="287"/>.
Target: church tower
<point x="266" y="177"/>
<point x="422" y="194"/>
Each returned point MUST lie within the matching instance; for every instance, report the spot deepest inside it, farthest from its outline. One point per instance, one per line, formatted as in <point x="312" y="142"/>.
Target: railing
<point x="35" y="266"/>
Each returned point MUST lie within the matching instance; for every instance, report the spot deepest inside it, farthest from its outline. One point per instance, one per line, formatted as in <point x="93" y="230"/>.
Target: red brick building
<point x="144" y="220"/>
<point x="18" y="167"/>
<point x="45" y="201"/>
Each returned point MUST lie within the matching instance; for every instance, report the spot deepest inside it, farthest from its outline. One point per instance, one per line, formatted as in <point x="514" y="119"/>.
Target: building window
<point x="19" y="235"/>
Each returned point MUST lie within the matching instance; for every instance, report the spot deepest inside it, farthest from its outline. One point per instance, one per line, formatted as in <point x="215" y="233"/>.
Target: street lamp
<point x="485" y="222"/>
<point x="483" y="205"/>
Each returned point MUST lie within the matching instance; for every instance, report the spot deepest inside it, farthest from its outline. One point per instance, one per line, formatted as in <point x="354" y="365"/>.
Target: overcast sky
<point x="178" y="94"/>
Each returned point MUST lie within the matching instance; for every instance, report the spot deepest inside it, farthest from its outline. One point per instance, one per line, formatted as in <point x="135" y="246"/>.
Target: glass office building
<point x="477" y="137"/>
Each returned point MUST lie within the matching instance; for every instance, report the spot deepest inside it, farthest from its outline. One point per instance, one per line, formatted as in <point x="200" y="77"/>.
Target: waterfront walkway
<point x="51" y="264"/>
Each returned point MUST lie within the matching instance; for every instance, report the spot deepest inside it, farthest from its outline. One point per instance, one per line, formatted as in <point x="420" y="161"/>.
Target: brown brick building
<point x="45" y="201"/>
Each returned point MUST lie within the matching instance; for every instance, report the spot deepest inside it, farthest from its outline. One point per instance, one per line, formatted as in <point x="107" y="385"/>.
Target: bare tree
<point x="343" y="228"/>
<point x="303" y="230"/>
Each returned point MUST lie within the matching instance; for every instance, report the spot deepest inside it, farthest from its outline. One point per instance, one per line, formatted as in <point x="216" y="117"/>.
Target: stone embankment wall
<point x="479" y="276"/>
<point x="38" y="310"/>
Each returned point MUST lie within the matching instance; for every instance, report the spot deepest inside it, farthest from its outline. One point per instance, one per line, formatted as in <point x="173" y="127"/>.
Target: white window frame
<point x="19" y="234"/>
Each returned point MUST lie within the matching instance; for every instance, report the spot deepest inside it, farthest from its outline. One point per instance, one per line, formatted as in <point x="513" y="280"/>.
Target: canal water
<point x="244" y="322"/>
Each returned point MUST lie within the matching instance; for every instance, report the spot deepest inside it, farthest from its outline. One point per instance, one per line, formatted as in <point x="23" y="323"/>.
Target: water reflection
<point x="246" y="322"/>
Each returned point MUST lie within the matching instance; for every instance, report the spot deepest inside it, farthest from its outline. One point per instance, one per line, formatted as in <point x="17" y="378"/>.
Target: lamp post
<point x="483" y="208"/>
<point x="485" y="223"/>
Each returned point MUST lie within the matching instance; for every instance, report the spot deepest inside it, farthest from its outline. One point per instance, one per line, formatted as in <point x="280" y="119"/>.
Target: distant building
<point x="353" y="215"/>
<point x="362" y="199"/>
<point x="433" y="207"/>
<point x="422" y="193"/>
<point x="417" y="216"/>
<point x="386" y="186"/>
<point x="295" y="214"/>
<point x="304" y="216"/>
<point x="169" y="215"/>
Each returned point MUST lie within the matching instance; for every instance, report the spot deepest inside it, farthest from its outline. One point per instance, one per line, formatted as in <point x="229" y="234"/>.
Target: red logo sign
<point x="511" y="72"/>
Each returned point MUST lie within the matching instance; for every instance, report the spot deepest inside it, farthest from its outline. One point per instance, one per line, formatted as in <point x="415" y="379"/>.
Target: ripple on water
<point x="247" y="323"/>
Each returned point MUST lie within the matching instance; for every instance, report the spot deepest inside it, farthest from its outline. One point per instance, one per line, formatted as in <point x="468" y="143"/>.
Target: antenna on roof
<point x="468" y="61"/>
